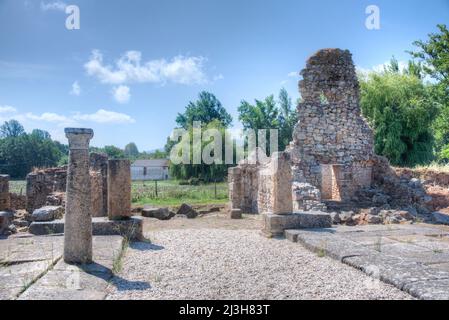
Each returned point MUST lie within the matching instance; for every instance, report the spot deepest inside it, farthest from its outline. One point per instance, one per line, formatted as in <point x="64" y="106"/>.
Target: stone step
<point x="101" y="226"/>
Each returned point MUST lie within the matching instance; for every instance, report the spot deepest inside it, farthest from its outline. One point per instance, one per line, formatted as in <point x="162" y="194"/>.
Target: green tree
<point x="269" y="114"/>
<point x="206" y="109"/>
<point x="433" y="54"/>
<point x="113" y="152"/>
<point x="11" y="128"/>
<point x="202" y="172"/>
<point x="401" y="110"/>
<point x="21" y="152"/>
<point x="131" y="150"/>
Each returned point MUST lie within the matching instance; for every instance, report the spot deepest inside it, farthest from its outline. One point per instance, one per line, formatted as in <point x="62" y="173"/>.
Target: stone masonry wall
<point x="332" y="146"/>
<point x="42" y="183"/>
<point x="331" y="156"/>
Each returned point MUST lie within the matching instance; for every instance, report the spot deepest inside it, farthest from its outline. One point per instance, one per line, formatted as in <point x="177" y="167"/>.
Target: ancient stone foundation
<point x="119" y="189"/>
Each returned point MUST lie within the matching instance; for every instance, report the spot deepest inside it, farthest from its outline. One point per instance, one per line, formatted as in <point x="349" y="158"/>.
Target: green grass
<point x="170" y="193"/>
<point x="17" y="186"/>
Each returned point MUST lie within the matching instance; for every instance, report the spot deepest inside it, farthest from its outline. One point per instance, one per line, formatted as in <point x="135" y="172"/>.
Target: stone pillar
<point x="235" y="187"/>
<point x="282" y="183"/>
<point x="119" y="189"/>
<point x="78" y="219"/>
<point x="5" y="200"/>
<point x="99" y="162"/>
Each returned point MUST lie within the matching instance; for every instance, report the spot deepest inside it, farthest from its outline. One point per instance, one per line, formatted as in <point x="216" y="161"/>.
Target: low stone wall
<point x="42" y="183"/>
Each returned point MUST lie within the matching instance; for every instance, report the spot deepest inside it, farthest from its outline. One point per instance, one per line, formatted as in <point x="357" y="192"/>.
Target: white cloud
<point x="104" y="116"/>
<point x="129" y="68"/>
<point x="76" y="89"/>
<point x="55" y="5"/>
<point x="121" y="94"/>
<point x="50" y="117"/>
<point x="7" y="109"/>
<point x="293" y="74"/>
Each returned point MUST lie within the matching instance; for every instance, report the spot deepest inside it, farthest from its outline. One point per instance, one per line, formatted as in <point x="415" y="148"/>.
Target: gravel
<point x="237" y="264"/>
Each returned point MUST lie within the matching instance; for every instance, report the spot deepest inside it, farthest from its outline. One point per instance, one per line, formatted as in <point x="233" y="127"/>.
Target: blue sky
<point x="135" y="64"/>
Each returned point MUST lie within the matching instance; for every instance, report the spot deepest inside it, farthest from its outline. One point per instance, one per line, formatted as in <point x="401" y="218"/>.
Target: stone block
<point x="5" y="200"/>
<point x="48" y="213"/>
<point x="275" y="225"/>
<point x="119" y="189"/>
<point x="101" y="226"/>
<point x="235" y="214"/>
<point x="6" y="219"/>
<point x="158" y="213"/>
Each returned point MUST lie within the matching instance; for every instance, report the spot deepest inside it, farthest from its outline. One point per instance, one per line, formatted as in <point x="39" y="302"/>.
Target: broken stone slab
<point x="187" y="211"/>
<point x="101" y="226"/>
<point x="275" y="225"/>
<point x="79" y="282"/>
<point x="47" y="213"/>
<point x="440" y="218"/>
<point x="158" y="213"/>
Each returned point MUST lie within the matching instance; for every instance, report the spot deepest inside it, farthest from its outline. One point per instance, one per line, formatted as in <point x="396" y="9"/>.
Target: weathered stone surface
<point x="47" y="213"/>
<point x="119" y="189"/>
<point x="78" y="213"/>
<point x="440" y="218"/>
<point x="42" y="183"/>
<point x="188" y="211"/>
<point x="5" y="200"/>
<point x="37" y="278"/>
<point x="6" y="219"/>
<point x="235" y="214"/>
<point x="101" y="226"/>
<point x="99" y="164"/>
<point x="275" y="225"/>
<point x="406" y="256"/>
<point x="158" y="213"/>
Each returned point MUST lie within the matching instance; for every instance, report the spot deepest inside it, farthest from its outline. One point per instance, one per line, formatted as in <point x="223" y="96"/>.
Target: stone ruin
<point x="330" y="163"/>
<point x="47" y="187"/>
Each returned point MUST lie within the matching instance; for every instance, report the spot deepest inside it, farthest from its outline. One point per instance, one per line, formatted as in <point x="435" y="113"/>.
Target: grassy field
<point x="170" y="193"/>
<point x="17" y="186"/>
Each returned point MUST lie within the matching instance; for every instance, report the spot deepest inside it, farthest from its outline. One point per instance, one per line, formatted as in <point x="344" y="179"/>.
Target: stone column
<point x="119" y="189"/>
<point x="78" y="219"/>
<point x="5" y="200"/>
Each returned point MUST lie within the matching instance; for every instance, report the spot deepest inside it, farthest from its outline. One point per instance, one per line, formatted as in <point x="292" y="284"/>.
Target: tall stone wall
<point x="332" y="146"/>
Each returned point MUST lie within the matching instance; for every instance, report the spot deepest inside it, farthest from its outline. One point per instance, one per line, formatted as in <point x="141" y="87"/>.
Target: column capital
<point x="79" y="138"/>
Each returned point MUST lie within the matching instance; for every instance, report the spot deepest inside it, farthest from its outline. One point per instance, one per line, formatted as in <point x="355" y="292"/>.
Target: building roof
<point x="151" y="163"/>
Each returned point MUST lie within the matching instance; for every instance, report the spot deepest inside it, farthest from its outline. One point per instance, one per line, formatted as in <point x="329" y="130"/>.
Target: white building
<point x="150" y="170"/>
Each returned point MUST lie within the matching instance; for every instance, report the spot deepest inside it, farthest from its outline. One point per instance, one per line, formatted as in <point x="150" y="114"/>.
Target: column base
<point x="275" y="225"/>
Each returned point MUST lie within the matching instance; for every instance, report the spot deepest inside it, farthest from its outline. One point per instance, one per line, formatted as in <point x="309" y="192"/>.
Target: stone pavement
<point x="31" y="268"/>
<point x="414" y="258"/>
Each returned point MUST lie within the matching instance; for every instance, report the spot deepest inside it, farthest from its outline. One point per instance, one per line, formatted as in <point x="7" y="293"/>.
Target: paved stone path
<point x="414" y="258"/>
<point x="31" y="268"/>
